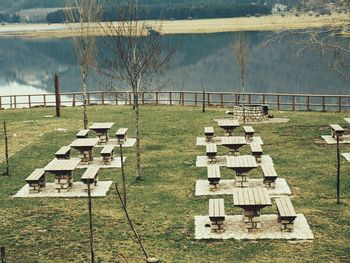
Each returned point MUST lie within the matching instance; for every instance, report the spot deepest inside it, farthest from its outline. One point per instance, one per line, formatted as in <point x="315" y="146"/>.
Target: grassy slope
<point x="163" y="205"/>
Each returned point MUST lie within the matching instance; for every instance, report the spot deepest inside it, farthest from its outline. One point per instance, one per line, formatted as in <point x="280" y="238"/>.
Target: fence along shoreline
<point x="277" y="101"/>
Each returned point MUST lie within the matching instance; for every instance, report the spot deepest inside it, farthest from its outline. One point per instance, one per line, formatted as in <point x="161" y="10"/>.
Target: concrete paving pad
<point x="116" y="163"/>
<point x="268" y="121"/>
<point x="217" y="140"/>
<point x="77" y="190"/>
<point x="226" y="187"/>
<point x="270" y="229"/>
<point x="330" y="140"/>
<point x="202" y="161"/>
<point x="346" y="156"/>
<point x="130" y="142"/>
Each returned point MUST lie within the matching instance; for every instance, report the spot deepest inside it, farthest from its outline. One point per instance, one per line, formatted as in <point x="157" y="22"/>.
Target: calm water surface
<point x="28" y="66"/>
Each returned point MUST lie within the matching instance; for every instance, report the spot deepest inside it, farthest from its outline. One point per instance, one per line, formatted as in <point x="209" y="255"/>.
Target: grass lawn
<point x="163" y="205"/>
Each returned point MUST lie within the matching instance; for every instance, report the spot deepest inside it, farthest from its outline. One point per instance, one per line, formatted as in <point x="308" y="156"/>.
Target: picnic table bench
<point x="217" y="214"/>
<point x="209" y="133"/>
<point x="121" y="135"/>
<point x="213" y="176"/>
<point x="211" y="151"/>
<point x="82" y="134"/>
<point x="252" y="200"/>
<point x="337" y="130"/>
<point x="286" y="214"/>
<point x="107" y="154"/>
<point x="249" y="132"/>
<point x="257" y="152"/>
<point x="270" y="175"/>
<point x="36" y="180"/>
<point x="90" y="177"/>
<point x="63" y="153"/>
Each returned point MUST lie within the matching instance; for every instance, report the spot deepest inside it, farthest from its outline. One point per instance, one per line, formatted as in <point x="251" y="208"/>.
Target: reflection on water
<point x="29" y="65"/>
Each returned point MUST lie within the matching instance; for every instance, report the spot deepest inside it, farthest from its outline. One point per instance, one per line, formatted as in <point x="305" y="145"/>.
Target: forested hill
<point x="17" y="5"/>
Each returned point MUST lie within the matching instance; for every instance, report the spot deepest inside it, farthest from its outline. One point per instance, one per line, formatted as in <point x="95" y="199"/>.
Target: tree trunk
<point x="138" y="150"/>
<point x="85" y="118"/>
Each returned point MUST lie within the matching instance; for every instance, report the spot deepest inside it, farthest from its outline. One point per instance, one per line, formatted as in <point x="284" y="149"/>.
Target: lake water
<point x="28" y="66"/>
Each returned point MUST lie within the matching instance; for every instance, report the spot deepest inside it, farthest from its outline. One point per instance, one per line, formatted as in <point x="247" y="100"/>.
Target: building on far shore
<point x="277" y="8"/>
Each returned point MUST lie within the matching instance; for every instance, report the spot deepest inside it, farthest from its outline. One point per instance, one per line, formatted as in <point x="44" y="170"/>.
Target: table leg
<point x="241" y="179"/>
<point x="85" y="156"/>
<point x="251" y="220"/>
<point x="63" y="182"/>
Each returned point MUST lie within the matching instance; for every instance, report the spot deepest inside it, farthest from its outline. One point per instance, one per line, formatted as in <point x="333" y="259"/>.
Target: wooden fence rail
<point x="278" y="101"/>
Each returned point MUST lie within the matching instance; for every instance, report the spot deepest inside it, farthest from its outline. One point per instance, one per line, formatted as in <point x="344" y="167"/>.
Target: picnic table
<point x="252" y="200"/>
<point x="85" y="146"/>
<point x="102" y="129"/>
<point x="228" y="125"/>
<point x="241" y="165"/>
<point x="233" y="143"/>
<point x="63" y="171"/>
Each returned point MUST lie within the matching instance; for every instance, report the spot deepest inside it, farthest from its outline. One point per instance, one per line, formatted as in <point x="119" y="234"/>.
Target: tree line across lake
<point x="177" y="12"/>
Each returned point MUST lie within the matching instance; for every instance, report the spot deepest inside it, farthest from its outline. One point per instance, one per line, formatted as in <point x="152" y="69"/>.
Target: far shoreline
<point x="195" y="26"/>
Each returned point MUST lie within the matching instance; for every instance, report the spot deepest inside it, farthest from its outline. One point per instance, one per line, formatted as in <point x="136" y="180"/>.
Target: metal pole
<point x="91" y="231"/>
<point x="338" y="171"/>
<point x="6" y="151"/>
<point x="123" y="174"/>
<point x="58" y="97"/>
<point x="203" y="99"/>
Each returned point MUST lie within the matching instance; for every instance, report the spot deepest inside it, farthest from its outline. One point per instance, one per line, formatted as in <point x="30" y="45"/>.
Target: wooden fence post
<point x="0" y="103"/>
<point x="74" y="101"/>
<point x="103" y="98"/>
<point x="203" y="99"/>
<point x="170" y="98"/>
<point x="6" y="151"/>
<point x="156" y="97"/>
<point x="15" y="101"/>
<point x="339" y="104"/>
<point x="44" y="97"/>
<point x="195" y="99"/>
<point x="278" y="102"/>
<point x="323" y="103"/>
<point x="29" y="101"/>
<point x="58" y="96"/>
<point x="308" y="103"/>
<point x="183" y="99"/>
<point x="293" y="103"/>
<point x="222" y="100"/>
<point x="2" y="255"/>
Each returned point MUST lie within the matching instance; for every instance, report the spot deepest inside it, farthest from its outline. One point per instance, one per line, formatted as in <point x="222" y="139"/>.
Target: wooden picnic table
<point x="63" y="171"/>
<point x="241" y="164"/>
<point x="233" y="143"/>
<point x="228" y="125"/>
<point x="252" y="200"/>
<point x="102" y="129"/>
<point x="85" y="146"/>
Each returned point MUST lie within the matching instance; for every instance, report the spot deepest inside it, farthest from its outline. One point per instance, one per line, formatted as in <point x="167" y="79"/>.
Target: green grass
<point x="163" y="205"/>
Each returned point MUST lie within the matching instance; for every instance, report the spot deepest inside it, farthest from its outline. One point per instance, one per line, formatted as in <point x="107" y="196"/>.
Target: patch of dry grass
<point x="199" y="26"/>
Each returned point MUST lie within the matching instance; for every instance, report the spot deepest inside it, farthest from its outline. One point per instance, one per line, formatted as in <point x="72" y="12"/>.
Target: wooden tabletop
<point x="101" y="126"/>
<point x="233" y="140"/>
<point x="243" y="161"/>
<point x="252" y="196"/>
<point x="88" y="142"/>
<point x="228" y="123"/>
<point x="62" y="165"/>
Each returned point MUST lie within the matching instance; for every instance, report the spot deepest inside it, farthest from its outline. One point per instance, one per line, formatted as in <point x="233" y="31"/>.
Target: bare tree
<point x="83" y="14"/>
<point x="240" y="47"/>
<point x="135" y="57"/>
